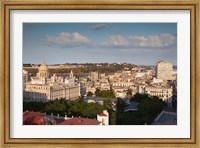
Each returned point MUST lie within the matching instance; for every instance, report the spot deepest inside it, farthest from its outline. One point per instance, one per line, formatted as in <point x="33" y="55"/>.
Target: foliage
<point x="65" y="107"/>
<point x="139" y="97"/>
<point x="104" y="93"/>
<point x="148" y="109"/>
<point x="98" y="92"/>
<point x="89" y="93"/>
<point x="33" y="106"/>
<point x="129" y="92"/>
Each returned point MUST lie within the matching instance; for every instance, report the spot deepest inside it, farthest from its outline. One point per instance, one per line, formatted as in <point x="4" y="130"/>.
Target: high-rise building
<point x="164" y="70"/>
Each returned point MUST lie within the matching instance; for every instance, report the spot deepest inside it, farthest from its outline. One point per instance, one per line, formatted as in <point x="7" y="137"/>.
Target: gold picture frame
<point x="7" y="5"/>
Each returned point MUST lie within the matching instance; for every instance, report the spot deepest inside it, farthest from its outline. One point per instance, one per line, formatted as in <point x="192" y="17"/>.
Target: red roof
<point x="58" y="121"/>
<point x="38" y="120"/>
<point x="102" y="114"/>
<point x="35" y="118"/>
<point x="80" y="121"/>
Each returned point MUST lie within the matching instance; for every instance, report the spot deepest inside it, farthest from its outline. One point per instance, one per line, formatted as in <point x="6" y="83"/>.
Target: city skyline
<point x="135" y="43"/>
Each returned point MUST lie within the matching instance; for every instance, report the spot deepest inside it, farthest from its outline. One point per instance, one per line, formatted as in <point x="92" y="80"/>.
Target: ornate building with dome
<point x="43" y="71"/>
<point x="43" y="88"/>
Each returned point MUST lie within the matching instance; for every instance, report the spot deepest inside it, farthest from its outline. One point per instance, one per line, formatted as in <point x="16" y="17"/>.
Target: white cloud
<point x="163" y="40"/>
<point x="116" y="41"/>
<point x="67" y="39"/>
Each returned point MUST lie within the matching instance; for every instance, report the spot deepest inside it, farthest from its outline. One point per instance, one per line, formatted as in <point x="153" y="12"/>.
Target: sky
<point x="136" y="43"/>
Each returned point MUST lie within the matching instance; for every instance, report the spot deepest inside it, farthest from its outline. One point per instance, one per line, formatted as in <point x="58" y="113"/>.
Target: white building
<point x="103" y="118"/>
<point x="42" y="88"/>
<point x="165" y="93"/>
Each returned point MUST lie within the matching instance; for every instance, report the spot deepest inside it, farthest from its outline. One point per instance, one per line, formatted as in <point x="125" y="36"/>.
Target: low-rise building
<point x="42" y="88"/>
<point x="165" y="93"/>
<point x="37" y="118"/>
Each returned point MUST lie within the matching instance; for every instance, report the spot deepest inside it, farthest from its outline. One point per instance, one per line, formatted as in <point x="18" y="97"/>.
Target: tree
<point x="139" y="97"/>
<point x="107" y="104"/>
<point x="129" y="92"/>
<point x="89" y="93"/>
<point x="98" y="92"/>
<point x="148" y="109"/>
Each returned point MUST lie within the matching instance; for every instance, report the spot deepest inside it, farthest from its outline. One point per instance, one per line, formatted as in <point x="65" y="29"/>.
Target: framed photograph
<point x="103" y="73"/>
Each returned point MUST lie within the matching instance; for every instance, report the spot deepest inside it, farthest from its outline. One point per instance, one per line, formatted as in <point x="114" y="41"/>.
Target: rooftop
<point x="37" y="118"/>
<point x="133" y="106"/>
<point x="80" y="121"/>
<point x="34" y="118"/>
<point x="166" y="118"/>
<point x="102" y="114"/>
<point x="101" y="99"/>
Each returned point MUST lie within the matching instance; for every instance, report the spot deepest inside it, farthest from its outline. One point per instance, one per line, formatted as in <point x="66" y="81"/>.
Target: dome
<point x="43" y="67"/>
<point x="43" y="71"/>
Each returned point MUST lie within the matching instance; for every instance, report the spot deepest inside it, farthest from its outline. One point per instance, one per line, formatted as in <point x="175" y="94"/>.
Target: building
<point x="164" y="70"/>
<point x="103" y="118"/>
<point x="99" y="100"/>
<point x="37" y="118"/>
<point x="43" y="88"/>
<point x="165" y="93"/>
<point x="26" y="76"/>
<point x="94" y="76"/>
<point x="166" y="118"/>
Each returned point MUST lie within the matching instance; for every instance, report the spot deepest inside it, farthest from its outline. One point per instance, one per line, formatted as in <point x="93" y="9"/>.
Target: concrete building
<point x="103" y="118"/>
<point x="94" y="76"/>
<point x="42" y="88"/>
<point x="37" y="118"/>
<point x="26" y="76"/>
<point x="164" y="70"/>
<point x="165" y="93"/>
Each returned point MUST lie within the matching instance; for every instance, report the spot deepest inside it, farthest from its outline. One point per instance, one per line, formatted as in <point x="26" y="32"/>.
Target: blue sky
<point x="137" y="43"/>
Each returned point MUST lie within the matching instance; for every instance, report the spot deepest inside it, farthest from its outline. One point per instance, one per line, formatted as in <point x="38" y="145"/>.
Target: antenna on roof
<point x="43" y="62"/>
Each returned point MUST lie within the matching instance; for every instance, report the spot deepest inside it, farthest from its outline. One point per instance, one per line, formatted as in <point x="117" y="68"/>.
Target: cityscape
<point x="115" y="84"/>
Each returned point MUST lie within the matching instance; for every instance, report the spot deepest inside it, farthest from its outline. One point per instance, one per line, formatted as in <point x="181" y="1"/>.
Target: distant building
<point x="94" y="76"/>
<point x="99" y="100"/>
<point x="165" y="93"/>
<point x="90" y="88"/>
<point x="42" y="88"/>
<point x="155" y="81"/>
<point x="141" y="89"/>
<point x="164" y="70"/>
<point x="26" y="76"/>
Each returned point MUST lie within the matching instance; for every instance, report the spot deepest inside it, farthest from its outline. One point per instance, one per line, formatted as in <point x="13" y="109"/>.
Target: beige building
<point x="165" y="93"/>
<point x="44" y="93"/>
<point x="164" y="70"/>
<point x="94" y="76"/>
<point x="42" y="88"/>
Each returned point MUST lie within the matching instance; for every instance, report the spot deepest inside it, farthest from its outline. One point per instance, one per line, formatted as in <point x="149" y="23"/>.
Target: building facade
<point x="164" y="70"/>
<point x="165" y="93"/>
<point x="43" y="88"/>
